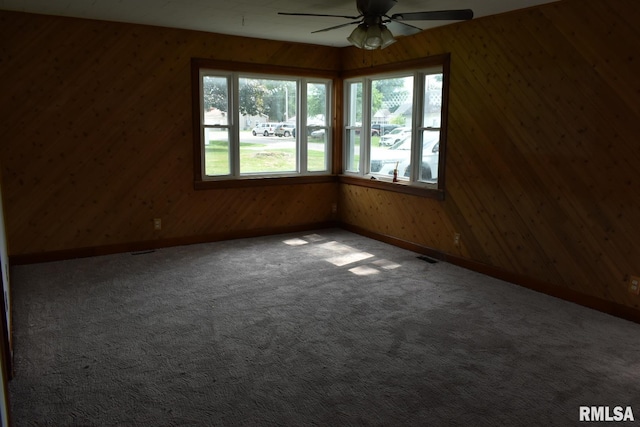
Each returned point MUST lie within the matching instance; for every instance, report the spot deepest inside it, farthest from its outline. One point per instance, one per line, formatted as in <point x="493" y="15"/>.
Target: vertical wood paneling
<point x="542" y="176"/>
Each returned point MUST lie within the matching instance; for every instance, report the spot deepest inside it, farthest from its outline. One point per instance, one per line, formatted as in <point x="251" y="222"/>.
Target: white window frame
<point x="233" y="124"/>
<point x="435" y="65"/>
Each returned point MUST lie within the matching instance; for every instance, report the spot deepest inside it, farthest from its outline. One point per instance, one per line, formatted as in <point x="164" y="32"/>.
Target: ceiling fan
<point x="372" y="32"/>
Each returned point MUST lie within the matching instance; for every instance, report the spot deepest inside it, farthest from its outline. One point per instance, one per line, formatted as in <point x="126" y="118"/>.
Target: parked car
<point x="265" y="129"/>
<point x="395" y="135"/>
<point x="319" y="133"/>
<point x="285" y="129"/>
<point x="311" y="128"/>
<point x="384" y="160"/>
<point x="382" y="129"/>
<point x="374" y="132"/>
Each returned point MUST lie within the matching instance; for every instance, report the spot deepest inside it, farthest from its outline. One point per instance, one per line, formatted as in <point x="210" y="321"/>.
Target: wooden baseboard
<point x="575" y="297"/>
<point x="161" y="243"/>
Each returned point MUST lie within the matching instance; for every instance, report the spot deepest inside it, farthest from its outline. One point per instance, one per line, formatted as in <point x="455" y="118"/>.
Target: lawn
<point x="258" y="157"/>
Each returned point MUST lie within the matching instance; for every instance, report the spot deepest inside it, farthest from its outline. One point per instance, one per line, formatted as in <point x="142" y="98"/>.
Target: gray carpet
<point x="323" y="328"/>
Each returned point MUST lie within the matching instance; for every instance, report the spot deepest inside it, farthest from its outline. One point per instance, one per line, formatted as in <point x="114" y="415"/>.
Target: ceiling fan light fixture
<point x="358" y="36"/>
<point x="374" y="37"/>
<point x="387" y="38"/>
<point x="371" y="37"/>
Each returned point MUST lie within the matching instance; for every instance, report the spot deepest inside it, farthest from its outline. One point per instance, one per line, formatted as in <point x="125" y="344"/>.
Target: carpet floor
<point x="324" y="328"/>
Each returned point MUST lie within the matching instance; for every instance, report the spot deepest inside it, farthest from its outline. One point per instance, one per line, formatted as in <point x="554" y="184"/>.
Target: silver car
<point x="396" y="135"/>
<point x="384" y="161"/>
<point x="265" y="129"/>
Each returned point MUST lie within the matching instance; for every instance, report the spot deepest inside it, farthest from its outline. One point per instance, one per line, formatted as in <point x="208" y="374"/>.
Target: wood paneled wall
<point x="97" y="139"/>
<point x="543" y="147"/>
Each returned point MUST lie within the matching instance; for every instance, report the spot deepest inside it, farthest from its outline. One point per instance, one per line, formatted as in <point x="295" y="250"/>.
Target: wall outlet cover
<point x="634" y="285"/>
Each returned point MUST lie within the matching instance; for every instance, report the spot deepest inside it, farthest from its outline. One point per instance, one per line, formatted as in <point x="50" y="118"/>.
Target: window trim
<point x="198" y="64"/>
<point x="437" y="193"/>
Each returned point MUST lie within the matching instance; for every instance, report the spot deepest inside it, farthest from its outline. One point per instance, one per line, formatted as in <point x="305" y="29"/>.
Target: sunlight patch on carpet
<point x="349" y="258"/>
<point x="314" y="238"/>
<point x="336" y="247"/>
<point x="364" y="270"/>
<point x="386" y="264"/>
<point x="295" y="242"/>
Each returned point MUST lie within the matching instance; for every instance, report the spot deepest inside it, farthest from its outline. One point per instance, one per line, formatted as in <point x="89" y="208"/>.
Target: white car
<point x="384" y="161"/>
<point x="285" y="129"/>
<point x="317" y="133"/>
<point x="395" y="135"/>
<point x="265" y="129"/>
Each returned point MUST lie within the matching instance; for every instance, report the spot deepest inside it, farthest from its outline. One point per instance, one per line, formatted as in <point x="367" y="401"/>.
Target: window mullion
<point x="202" y="127"/>
<point x="351" y="117"/>
<point x="234" y="133"/>
<point x="365" y="129"/>
<point x="301" y="124"/>
<point x="418" y="125"/>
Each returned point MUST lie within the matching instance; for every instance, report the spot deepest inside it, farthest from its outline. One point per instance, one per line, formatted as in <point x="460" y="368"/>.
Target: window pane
<point x="354" y="117"/>
<point x="271" y="102"/>
<point x="431" y="120"/>
<point x="391" y="120"/>
<point x="215" y="97"/>
<point x="317" y="151"/>
<point x="430" y="156"/>
<point x="317" y="126"/>
<point x="432" y="100"/>
<point x="397" y="156"/>
<point x="216" y="152"/>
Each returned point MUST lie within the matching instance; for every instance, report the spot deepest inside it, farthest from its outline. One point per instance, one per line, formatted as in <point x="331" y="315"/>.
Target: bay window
<point x="394" y="125"/>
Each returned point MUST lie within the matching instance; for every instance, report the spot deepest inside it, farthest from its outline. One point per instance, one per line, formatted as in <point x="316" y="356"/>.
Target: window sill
<point x="398" y="187"/>
<point x="263" y="182"/>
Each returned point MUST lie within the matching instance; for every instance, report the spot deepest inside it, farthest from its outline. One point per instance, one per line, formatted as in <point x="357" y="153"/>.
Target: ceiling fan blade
<point x="438" y="15"/>
<point x="399" y="28"/>
<point x="375" y="7"/>
<point x="318" y="14"/>
<point x="336" y="27"/>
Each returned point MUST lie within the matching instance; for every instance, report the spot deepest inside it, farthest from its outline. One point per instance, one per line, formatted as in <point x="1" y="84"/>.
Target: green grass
<point x="254" y="158"/>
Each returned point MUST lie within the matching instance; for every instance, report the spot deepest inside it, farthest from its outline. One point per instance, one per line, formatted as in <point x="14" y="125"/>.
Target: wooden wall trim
<point x="431" y="60"/>
<point x="397" y="187"/>
<point x="550" y="289"/>
<point x="86" y="252"/>
<point x="264" y="181"/>
<point x="249" y="67"/>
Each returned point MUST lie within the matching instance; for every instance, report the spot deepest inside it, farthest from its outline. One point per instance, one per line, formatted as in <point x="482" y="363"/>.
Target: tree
<point x="377" y="98"/>
<point x="215" y="93"/>
<point x="316" y="100"/>
<point x="252" y="98"/>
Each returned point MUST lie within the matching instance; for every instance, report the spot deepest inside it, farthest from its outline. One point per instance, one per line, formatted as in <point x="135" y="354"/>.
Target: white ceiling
<point x="252" y="18"/>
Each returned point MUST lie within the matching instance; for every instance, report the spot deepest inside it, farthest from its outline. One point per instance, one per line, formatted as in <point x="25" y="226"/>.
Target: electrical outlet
<point x="456" y="239"/>
<point x="157" y="224"/>
<point x="334" y="208"/>
<point x="634" y="285"/>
